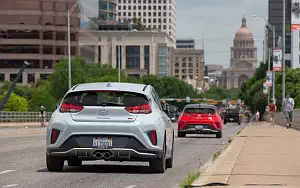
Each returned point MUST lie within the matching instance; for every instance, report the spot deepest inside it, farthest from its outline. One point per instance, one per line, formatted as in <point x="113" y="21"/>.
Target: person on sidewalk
<point x="42" y="116"/>
<point x="289" y="105"/>
<point x="257" y="115"/>
<point x="272" y="111"/>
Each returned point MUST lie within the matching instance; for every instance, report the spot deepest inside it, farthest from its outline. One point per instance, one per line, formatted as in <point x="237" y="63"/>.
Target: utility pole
<point x="283" y="54"/>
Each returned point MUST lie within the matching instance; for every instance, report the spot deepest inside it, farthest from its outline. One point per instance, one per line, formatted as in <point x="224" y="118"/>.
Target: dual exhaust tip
<point x="103" y="155"/>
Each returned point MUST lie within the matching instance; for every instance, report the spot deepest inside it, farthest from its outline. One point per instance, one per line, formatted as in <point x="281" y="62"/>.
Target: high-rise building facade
<point x="276" y="19"/>
<point x="185" y="43"/>
<point x="155" y="14"/>
<point x="189" y="66"/>
<point x="35" y="31"/>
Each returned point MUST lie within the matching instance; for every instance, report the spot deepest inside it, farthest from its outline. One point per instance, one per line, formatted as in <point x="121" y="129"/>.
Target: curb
<point x="207" y="170"/>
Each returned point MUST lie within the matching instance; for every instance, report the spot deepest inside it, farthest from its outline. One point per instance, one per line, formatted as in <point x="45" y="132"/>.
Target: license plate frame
<point x="102" y="142"/>
<point x="199" y="127"/>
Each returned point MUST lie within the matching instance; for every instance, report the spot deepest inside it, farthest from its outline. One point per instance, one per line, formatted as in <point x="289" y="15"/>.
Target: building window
<point x="190" y="71"/>
<point x="191" y="77"/>
<point x="2" y="77"/>
<point x="133" y="57"/>
<point x="14" y="76"/>
<point x="184" y="77"/>
<point x="31" y="78"/>
<point x="147" y="58"/>
<point x="190" y="65"/>
<point x="117" y="56"/>
<point x="176" y="71"/>
<point x="162" y="61"/>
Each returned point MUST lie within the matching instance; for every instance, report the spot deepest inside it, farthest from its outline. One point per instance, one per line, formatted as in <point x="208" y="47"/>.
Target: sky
<point x="217" y="21"/>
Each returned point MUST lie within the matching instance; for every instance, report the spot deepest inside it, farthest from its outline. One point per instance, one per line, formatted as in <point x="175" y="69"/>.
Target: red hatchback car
<point x="200" y="119"/>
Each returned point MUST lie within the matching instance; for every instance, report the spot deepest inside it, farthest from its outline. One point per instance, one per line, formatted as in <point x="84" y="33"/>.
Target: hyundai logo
<point x="103" y="112"/>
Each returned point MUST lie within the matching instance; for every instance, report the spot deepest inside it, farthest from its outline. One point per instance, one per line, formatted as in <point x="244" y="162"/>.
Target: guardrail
<point x="22" y="116"/>
<point x="280" y="119"/>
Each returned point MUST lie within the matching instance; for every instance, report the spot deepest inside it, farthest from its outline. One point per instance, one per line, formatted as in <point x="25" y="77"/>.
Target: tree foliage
<point x="15" y="103"/>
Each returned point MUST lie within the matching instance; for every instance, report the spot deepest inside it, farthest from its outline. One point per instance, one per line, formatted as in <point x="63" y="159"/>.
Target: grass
<point x="230" y="140"/>
<point x="189" y="179"/>
<point x="238" y="132"/>
<point x="216" y="155"/>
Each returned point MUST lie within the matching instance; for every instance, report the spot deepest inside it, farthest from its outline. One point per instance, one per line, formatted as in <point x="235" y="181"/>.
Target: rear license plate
<point x="199" y="127"/>
<point x="103" y="143"/>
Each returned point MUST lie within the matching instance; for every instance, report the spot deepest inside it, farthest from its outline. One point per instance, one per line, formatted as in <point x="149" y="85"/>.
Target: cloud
<point x="219" y="20"/>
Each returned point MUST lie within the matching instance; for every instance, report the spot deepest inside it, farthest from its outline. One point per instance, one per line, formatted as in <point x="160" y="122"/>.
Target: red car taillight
<point x="153" y="138"/>
<point x="140" y="109"/>
<point x="54" y="135"/>
<point x="72" y="108"/>
<point x="180" y="125"/>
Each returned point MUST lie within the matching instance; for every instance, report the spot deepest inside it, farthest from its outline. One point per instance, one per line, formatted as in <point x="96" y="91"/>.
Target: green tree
<point x="15" y="103"/>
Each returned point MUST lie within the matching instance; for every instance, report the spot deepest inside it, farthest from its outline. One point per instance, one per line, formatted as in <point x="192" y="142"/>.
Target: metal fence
<point x="22" y="116"/>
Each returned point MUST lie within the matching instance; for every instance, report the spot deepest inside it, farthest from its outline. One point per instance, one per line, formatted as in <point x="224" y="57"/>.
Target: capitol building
<point x="243" y="59"/>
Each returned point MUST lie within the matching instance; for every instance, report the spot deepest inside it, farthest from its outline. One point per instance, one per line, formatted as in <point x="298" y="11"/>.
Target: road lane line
<point x="23" y="133"/>
<point x="11" y="185"/>
<point x="6" y="171"/>
<point x="131" y="186"/>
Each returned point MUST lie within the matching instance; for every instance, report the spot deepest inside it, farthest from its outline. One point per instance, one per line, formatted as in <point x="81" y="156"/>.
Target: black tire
<point x="169" y="162"/>
<point x="54" y="164"/>
<point x="180" y="134"/>
<point x="159" y="165"/>
<point x="239" y="123"/>
<point x="225" y="122"/>
<point x="74" y="162"/>
<point x="219" y="134"/>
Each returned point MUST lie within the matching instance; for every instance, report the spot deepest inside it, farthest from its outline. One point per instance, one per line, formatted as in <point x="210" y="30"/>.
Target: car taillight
<point x="153" y="138"/>
<point x="140" y="109"/>
<point x="54" y="135"/>
<point x="180" y="125"/>
<point x="70" y="108"/>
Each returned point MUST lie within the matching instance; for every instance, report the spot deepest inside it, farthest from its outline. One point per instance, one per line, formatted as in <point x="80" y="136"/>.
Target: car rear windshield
<point x="199" y="110"/>
<point x="106" y="98"/>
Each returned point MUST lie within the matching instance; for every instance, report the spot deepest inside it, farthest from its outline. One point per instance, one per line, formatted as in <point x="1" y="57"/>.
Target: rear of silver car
<point x="108" y="124"/>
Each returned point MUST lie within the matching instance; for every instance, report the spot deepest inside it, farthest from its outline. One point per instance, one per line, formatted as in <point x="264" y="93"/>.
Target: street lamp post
<point x="69" y="41"/>
<point x="283" y="55"/>
<point x="272" y="28"/>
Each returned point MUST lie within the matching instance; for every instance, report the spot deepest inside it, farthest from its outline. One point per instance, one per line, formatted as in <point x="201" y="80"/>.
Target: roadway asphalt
<point x="22" y="163"/>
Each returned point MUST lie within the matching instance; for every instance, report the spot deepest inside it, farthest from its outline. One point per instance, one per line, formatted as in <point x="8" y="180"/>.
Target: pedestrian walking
<point x="289" y="105"/>
<point x="42" y="116"/>
<point x="257" y="115"/>
<point x="272" y="111"/>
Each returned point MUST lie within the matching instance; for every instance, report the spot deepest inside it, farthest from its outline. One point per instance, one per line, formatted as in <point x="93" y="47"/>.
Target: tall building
<point x="142" y="52"/>
<point x="189" y="66"/>
<point x="276" y="19"/>
<point x="185" y="43"/>
<point x="34" y="31"/>
<point x="243" y="60"/>
<point x="155" y="14"/>
<point x="107" y="10"/>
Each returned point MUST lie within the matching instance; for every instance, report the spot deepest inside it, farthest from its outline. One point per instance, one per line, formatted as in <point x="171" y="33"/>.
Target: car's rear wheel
<point x="159" y="165"/>
<point x="169" y="162"/>
<point x="74" y="162"/>
<point x="239" y="123"/>
<point x="225" y="122"/>
<point x="219" y="134"/>
<point x="180" y="134"/>
<point x="54" y="164"/>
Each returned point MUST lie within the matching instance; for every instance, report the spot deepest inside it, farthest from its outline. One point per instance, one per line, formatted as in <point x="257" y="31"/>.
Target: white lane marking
<point x="131" y="186"/>
<point x="11" y="185"/>
<point x="6" y="171"/>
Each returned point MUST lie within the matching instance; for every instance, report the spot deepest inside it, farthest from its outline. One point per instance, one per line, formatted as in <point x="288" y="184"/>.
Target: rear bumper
<point x="117" y="154"/>
<point x="207" y="129"/>
<point x="231" y="118"/>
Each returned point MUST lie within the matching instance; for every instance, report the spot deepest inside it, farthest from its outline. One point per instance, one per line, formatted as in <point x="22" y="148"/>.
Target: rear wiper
<point x="110" y="104"/>
<point x="208" y="185"/>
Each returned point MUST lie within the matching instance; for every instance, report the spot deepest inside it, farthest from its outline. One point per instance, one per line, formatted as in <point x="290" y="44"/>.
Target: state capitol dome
<point x="243" y="33"/>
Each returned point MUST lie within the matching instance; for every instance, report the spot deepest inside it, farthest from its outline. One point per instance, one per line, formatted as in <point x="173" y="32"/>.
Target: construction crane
<point x="13" y="85"/>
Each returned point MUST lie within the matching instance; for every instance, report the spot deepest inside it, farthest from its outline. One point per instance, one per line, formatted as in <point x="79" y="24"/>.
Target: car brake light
<point x="70" y="108"/>
<point x="180" y="124"/>
<point x="153" y="138"/>
<point x="140" y="109"/>
<point x="54" y="135"/>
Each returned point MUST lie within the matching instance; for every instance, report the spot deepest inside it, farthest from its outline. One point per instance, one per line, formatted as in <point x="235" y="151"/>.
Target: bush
<point x="15" y="103"/>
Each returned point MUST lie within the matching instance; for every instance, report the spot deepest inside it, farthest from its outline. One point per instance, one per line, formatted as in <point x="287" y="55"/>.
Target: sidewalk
<point x="260" y="156"/>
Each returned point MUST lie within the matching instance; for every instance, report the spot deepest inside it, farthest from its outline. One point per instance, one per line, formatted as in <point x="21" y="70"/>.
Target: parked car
<point x="200" y="119"/>
<point x="111" y="122"/>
